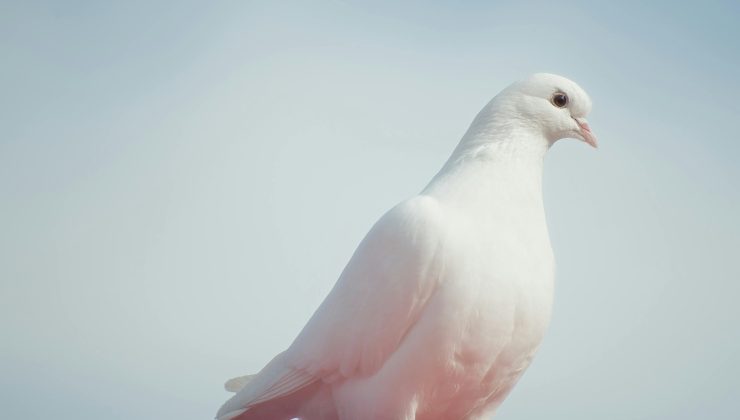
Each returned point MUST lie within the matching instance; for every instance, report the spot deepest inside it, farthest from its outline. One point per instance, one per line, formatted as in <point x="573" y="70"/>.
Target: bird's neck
<point x="493" y="166"/>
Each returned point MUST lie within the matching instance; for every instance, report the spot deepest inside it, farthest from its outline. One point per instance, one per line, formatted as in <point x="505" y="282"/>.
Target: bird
<point x="445" y="301"/>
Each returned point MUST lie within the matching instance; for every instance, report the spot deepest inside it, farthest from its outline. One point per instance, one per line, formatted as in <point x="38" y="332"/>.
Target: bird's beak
<point x="586" y="133"/>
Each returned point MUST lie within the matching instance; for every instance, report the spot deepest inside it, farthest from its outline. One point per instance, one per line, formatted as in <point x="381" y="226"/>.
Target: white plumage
<point x="445" y="301"/>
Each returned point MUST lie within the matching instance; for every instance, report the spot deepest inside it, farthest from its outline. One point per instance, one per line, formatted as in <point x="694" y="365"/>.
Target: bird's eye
<point x="559" y="99"/>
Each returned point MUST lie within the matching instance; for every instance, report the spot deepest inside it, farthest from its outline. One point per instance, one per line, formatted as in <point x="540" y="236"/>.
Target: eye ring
<point x="559" y="99"/>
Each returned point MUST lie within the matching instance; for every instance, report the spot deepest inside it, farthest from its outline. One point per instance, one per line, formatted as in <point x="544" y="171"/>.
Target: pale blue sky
<point x="180" y="185"/>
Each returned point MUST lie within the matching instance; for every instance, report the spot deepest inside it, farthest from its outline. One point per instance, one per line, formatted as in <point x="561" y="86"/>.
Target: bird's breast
<point x="496" y="291"/>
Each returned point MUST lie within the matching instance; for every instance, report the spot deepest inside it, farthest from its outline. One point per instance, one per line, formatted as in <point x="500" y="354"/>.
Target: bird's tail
<point x="312" y="402"/>
<point x="236" y="384"/>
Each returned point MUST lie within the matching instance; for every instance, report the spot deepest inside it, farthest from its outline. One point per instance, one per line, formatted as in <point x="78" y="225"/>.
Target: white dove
<point x="446" y="300"/>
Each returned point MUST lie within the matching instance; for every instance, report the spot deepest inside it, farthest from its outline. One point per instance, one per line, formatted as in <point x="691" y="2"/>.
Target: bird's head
<point x="553" y="104"/>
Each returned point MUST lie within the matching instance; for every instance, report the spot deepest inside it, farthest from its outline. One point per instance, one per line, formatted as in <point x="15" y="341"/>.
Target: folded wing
<point x="377" y="299"/>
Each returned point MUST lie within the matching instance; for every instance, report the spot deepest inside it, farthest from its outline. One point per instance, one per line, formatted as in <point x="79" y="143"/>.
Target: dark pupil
<point x="560" y="99"/>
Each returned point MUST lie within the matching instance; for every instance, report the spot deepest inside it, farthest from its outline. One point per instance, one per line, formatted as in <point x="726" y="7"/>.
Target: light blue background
<point x="181" y="183"/>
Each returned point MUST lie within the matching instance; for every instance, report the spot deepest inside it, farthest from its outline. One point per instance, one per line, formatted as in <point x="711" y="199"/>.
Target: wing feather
<point x="378" y="296"/>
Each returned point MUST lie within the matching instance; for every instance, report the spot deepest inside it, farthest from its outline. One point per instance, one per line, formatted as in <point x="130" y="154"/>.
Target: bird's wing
<point x="379" y="295"/>
<point x="377" y="299"/>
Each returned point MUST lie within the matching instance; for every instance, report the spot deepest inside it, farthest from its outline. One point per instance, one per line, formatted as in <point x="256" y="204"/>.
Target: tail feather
<point x="236" y="384"/>
<point x="272" y="384"/>
<point x="312" y="402"/>
<point x="231" y="415"/>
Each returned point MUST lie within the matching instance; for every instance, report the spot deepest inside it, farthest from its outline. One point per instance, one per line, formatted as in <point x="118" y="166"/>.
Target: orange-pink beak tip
<point x="587" y="134"/>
